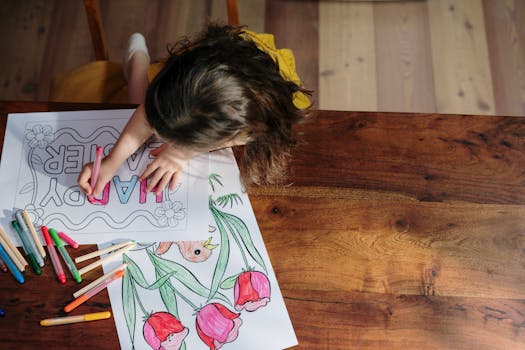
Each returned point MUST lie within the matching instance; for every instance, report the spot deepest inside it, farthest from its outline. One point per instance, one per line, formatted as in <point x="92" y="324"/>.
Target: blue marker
<point x="2" y="313"/>
<point x="11" y="266"/>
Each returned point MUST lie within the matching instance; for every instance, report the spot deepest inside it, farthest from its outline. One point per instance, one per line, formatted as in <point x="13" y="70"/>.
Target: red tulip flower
<point x="163" y="331"/>
<point x="251" y="291"/>
<point x="216" y="325"/>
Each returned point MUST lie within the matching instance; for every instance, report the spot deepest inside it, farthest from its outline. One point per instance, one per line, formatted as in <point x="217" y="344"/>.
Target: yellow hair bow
<point x="286" y="61"/>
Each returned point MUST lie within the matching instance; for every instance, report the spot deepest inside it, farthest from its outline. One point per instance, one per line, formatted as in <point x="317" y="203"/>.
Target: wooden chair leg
<point x="233" y="12"/>
<point x="96" y="29"/>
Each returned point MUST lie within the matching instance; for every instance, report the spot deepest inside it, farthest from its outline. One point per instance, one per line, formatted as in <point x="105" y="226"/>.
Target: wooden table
<point x="400" y="231"/>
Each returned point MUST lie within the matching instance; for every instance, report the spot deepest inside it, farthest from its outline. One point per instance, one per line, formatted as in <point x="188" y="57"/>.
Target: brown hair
<point x="220" y="86"/>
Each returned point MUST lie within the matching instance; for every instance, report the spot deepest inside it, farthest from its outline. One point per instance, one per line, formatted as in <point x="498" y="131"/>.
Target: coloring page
<point x="43" y="155"/>
<point x="220" y="292"/>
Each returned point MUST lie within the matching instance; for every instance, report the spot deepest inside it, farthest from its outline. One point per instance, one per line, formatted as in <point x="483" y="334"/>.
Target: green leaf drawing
<point x="213" y="177"/>
<point x="229" y="198"/>
<point x="128" y="304"/>
<point x="224" y="253"/>
<point x="172" y="269"/>
<point x="135" y="272"/>
<point x="229" y="282"/>
<point x="167" y="294"/>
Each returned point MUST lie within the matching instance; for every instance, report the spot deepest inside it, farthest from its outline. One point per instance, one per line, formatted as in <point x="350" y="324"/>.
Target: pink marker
<point x="54" y="257"/>
<point x="96" y="170"/>
<point x="68" y="240"/>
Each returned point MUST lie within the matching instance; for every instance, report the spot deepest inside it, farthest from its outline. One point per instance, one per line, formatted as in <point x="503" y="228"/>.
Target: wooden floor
<point x="444" y="56"/>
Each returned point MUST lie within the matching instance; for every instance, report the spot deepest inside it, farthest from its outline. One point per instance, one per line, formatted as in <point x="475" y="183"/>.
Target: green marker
<point x="27" y="248"/>
<point x="65" y="255"/>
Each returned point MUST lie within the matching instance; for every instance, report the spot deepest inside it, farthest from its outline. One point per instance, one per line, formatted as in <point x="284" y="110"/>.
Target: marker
<point x="11" y="249"/>
<point x="105" y="259"/>
<point x="99" y="280"/>
<point x="2" y="264"/>
<point x="29" y="224"/>
<point x="85" y="297"/>
<point x="54" y="257"/>
<point x="96" y="169"/>
<point x="65" y="256"/>
<point x="25" y="244"/>
<point x="11" y="265"/>
<point x="102" y="251"/>
<point x="30" y="240"/>
<point x="2" y="313"/>
<point x="68" y="240"/>
<point x="75" y="319"/>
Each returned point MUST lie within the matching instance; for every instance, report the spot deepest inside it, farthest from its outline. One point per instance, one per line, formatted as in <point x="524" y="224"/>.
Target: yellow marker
<point x="75" y="319"/>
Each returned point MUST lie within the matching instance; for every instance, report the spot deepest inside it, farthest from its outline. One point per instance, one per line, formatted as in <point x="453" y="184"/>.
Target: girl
<point x="228" y="87"/>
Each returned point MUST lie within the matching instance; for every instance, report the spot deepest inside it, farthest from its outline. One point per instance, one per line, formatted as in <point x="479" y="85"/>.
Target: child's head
<point x="222" y="88"/>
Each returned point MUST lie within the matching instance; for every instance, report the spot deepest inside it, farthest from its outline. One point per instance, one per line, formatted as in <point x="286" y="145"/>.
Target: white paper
<point x="187" y="289"/>
<point x="42" y="156"/>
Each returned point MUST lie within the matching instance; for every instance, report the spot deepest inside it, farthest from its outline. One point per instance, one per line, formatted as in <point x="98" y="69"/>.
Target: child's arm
<point x="135" y="133"/>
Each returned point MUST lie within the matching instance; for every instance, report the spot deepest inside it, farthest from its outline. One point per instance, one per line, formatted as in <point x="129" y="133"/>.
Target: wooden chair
<point x="98" y="36"/>
<point x="102" y="81"/>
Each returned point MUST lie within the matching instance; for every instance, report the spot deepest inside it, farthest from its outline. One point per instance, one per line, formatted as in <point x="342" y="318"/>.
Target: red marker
<point x="68" y="240"/>
<point x="54" y="257"/>
<point x="94" y="175"/>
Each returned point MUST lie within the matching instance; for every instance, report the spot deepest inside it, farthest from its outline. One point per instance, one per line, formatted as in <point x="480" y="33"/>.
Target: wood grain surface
<point x="398" y="231"/>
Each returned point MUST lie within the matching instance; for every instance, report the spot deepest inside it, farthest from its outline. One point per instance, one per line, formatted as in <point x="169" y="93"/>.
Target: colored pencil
<point x="12" y="250"/>
<point x="75" y="319"/>
<point x="99" y="280"/>
<point x="29" y="223"/>
<point x="102" y="251"/>
<point x="90" y="293"/>
<point x="105" y="259"/>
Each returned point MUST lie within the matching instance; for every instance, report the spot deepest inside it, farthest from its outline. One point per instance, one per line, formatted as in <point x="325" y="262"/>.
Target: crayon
<point x="30" y="240"/>
<point x="54" y="257"/>
<point x="75" y="319"/>
<point x="67" y="259"/>
<point x="11" y="265"/>
<point x="25" y="244"/>
<point x="31" y="227"/>
<point x="89" y="294"/>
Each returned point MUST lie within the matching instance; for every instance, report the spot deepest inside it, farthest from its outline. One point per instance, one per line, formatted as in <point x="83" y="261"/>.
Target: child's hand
<point x="166" y="167"/>
<point x="107" y="170"/>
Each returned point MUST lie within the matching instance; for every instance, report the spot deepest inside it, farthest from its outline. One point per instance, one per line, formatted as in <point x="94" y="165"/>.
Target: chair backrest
<point x="98" y="36"/>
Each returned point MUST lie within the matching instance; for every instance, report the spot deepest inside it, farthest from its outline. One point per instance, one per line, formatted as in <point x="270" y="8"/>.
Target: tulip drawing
<point x="216" y="325"/>
<point x="251" y="291"/>
<point x="163" y="331"/>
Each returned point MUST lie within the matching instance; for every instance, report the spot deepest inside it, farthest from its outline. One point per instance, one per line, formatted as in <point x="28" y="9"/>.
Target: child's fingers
<point x="174" y="180"/>
<point x="148" y="171"/>
<point x="83" y="179"/>
<point x="154" y="179"/>
<point x="162" y="184"/>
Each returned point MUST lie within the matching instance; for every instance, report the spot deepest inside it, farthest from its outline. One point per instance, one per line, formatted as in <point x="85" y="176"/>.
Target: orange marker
<point x="83" y="298"/>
